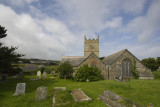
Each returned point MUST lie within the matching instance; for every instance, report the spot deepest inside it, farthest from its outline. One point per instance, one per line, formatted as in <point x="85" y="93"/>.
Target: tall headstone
<point x="44" y="75"/>
<point x="41" y="93"/>
<point x="20" y="89"/>
<point x="20" y="76"/>
<point x="39" y="74"/>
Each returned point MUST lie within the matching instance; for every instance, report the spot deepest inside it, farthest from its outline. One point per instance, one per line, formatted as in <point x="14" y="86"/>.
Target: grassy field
<point x="139" y="91"/>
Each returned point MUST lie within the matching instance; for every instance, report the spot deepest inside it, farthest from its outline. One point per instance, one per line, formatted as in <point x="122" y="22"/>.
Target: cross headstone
<point x="44" y="75"/>
<point x="41" y="93"/>
<point x="39" y="74"/>
<point x="20" y="89"/>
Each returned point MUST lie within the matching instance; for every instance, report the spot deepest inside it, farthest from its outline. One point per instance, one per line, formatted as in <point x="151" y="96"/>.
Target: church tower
<point x="91" y="45"/>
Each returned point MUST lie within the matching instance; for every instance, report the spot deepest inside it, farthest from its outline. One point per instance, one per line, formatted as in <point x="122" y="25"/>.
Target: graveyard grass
<point x="142" y="92"/>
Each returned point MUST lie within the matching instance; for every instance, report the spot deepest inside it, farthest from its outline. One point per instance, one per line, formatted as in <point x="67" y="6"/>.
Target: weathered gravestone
<point x="79" y="95"/>
<point x="39" y="75"/>
<point x="20" y="76"/>
<point x="41" y="93"/>
<point x="20" y="89"/>
<point x="44" y="75"/>
<point x="158" y="69"/>
<point x="113" y="100"/>
<point x="4" y="77"/>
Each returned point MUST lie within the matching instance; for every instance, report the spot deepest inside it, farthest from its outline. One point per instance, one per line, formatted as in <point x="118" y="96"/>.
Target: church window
<point x="126" y="68"/>
<point x="93" y="64"/>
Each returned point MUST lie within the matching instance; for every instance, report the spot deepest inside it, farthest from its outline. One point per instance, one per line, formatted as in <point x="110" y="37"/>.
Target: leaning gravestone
<point x="20" y="89"/>
<point x="41" y="93"/>
<point x="39" y="74"/>
<point x="44" y="75"/>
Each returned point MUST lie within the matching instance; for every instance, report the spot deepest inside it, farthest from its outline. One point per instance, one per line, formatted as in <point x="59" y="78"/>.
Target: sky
<point x="48" y="29"/>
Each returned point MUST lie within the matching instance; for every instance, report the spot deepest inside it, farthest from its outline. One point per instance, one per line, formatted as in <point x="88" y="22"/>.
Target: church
<point x="114" y="66"/>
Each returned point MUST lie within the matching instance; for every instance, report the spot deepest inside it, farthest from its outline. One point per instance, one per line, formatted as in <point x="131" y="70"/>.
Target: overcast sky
<point x="46" y="29"/>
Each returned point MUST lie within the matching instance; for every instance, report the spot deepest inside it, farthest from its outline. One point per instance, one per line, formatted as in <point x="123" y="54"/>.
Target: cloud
<point x="19" y="2"/>
<point x="145" y="26"/>
<point x="37" y="38"/>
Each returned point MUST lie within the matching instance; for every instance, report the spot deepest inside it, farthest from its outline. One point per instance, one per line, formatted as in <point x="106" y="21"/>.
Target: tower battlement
<point x="91" y="45"/>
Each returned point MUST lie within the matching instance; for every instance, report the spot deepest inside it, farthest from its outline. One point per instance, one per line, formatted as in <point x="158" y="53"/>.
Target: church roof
<point x="73" y="60"/>
<point x="111" y="58"/>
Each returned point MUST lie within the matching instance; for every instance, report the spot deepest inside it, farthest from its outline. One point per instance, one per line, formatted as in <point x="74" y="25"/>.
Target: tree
<point x="8" y="56"/>
<point x="150" y="63"/>
<point x="86" y="73"/>
<point x="65" y="70"/>
<point x="158" y="61"/>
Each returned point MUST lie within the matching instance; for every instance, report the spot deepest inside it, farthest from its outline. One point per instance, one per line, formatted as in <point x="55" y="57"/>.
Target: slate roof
<point x="73" y="60"/>
<point x="111" y="58"/>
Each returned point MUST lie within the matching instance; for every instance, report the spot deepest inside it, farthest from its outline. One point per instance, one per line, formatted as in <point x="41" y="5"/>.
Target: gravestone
<point x="59" y="88"/>
<point x="79" y="95"/>
<point x="20" y="89"/>
<point x="41" y="93"/>
<point x="39" y="74"/>
<point x="44" y="75"/>
<point x="4" y="77"/>
<point x="158" y="69"/>
<point x="20" y="76"/>
<point x="53" y="73"/>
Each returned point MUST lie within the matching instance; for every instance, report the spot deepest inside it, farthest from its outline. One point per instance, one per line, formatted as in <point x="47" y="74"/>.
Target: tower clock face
<point x="91" y="47"/>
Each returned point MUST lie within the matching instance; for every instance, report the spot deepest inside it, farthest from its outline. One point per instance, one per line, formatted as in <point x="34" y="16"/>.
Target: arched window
<point x="126" y="68"/>
<point x="93" y="64"/>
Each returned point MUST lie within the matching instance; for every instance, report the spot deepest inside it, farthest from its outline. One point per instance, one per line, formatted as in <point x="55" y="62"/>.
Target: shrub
<point x="65" y="70"/>
<point x="85" y="73"/>
<point x="156" y="74"/>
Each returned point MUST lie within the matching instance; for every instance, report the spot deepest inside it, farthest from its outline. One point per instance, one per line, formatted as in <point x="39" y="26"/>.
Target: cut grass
<point x="142" y="92"/>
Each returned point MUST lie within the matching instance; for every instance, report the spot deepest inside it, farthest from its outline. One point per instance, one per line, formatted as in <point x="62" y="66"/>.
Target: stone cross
<point x="44" y="75"/>
<point x="41" y="93"/>
<point x="39" y="74"/>
<point x="20" y="89"/>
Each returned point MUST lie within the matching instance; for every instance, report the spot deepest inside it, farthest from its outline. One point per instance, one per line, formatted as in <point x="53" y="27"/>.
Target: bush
<point x="65" y="70"/>
<point x="156" y="74"/>
<point x="85" y="73"/>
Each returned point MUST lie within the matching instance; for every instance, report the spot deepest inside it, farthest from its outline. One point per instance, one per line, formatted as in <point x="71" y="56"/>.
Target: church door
<point x="126" y="68"/>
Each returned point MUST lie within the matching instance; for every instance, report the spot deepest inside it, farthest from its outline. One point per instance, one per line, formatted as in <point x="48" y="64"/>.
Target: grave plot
<point x="61" y="98"/>
<point x="79" y="95"/>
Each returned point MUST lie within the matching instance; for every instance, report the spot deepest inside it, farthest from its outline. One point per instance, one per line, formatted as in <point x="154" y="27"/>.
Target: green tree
<point x="150" y="63"/>
<point x="8" y="56"/>
<point x="85" y="73"/>
<point x="158" y="61"/>
<point x="65" y="70"/>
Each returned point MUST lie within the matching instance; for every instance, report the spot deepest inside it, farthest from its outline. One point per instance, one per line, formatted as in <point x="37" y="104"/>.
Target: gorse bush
<point x="85" y="73"/>
<point x="65" y="70"/>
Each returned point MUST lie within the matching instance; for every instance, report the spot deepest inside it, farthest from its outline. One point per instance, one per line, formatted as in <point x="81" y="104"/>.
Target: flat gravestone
<point x="79" y="95"/>
<point x="44" y="75"/>
<point x="39" y="74"/>
<point x="41" y="93"/>
<point x="60" y="88"/>
<point x="20" y="89"/>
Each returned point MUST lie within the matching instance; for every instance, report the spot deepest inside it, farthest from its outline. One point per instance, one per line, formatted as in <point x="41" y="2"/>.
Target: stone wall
<point x="142" y="70"/>
<point x="98" y="63"/>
